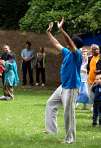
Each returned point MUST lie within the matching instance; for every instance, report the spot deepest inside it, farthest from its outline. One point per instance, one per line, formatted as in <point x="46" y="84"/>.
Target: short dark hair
<point x="28" y="43"/>
<point x="77" y="41"/>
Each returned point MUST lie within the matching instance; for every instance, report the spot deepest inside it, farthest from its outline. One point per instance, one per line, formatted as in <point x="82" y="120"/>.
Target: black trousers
<point x="40" y="72"/>
<point x="96" y="113"/>
<point x="26" y="67"/>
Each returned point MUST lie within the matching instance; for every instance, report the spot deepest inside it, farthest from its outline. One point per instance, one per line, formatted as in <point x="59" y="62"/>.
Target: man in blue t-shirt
<point x="70" y="81"/>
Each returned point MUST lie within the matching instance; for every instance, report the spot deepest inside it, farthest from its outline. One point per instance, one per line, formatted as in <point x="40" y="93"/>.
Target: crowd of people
<point x="8" y="73"/>
<point x="9" y="70"/>
<point x="80" y="77"/>
<point x="31" y="59"/>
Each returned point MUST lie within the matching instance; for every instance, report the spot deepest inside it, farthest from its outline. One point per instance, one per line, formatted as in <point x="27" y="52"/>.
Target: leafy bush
<point x="79" y="17"/>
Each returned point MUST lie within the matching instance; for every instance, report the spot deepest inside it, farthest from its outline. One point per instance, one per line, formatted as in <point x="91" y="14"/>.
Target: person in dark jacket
<point x="98" y="65"/>
<point x="96" y="88"/>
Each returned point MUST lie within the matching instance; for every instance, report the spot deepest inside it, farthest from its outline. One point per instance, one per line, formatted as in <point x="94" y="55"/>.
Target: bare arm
<point x="67" y="38"/>
<point x="53" y="40"/>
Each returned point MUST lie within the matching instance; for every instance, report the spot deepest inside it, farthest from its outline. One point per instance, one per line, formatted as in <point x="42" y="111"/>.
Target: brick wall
<point x="17" y="39"/>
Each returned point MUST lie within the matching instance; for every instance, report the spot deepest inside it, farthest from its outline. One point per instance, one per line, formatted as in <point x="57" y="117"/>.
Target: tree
<point x="80" y="15"/>
<point x="11" y="11"/>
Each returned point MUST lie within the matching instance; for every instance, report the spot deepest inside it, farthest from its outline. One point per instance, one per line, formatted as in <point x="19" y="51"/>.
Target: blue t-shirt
<point x="70" y="68"/>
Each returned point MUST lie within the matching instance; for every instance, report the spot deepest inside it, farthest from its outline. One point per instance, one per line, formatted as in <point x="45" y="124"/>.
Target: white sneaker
<point x="77" y="104"/>
<point x="7" y="98"/>
<point x="70" y="141"/>
<point x="36" y="84"/>
<point x="43" y="85"/>
<point x="91" y="109"/>
<point x="2" y="97"/>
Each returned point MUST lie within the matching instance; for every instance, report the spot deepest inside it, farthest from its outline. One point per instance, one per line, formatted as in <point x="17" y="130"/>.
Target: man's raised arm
<point x="67" y="38"/>
<point x="53" y="40"/>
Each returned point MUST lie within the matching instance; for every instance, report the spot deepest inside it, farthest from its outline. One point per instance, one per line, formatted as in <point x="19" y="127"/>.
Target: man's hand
<point x="60" y="24"/>
<point x="50" y="27"/>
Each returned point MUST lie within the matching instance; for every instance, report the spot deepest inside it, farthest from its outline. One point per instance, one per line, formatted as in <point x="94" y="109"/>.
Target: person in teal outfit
<point x="11" y="78"/>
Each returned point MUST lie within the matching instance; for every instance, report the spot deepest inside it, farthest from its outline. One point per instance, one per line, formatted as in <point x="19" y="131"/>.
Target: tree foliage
<point x="80" y="15"/>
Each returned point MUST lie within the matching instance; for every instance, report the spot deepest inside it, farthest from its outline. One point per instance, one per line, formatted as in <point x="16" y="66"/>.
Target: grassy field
<point x="22" y="123"/>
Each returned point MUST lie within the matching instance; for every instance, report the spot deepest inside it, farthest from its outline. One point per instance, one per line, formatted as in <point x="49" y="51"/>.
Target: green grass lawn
<point x="22" y="123"/>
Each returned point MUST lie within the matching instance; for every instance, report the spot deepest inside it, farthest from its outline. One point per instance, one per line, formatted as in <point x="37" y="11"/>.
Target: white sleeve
<point x="22" y="53"/>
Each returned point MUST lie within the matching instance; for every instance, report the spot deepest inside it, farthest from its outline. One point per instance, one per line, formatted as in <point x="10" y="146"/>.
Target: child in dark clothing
<point x="96" y="88"/>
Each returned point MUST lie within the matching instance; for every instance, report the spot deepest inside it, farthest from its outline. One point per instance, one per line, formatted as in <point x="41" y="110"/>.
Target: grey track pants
<point x="67" y="98"/>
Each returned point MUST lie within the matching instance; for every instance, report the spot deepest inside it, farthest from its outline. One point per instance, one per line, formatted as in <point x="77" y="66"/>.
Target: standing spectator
<point x="10" y="78"/>
<point x="96" y="88"/>
<point x="27" y="55"/>
<point x="83" y="96"/>
<point x="70" y="81"/>
<point x="92" y="68"/>
<point x="40" y="66"/>
<point x="5" y="56"/>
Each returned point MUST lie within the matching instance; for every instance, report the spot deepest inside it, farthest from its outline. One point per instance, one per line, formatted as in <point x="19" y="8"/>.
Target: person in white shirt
<point x="83" y="96"/>
<point x="27" y="56"/>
